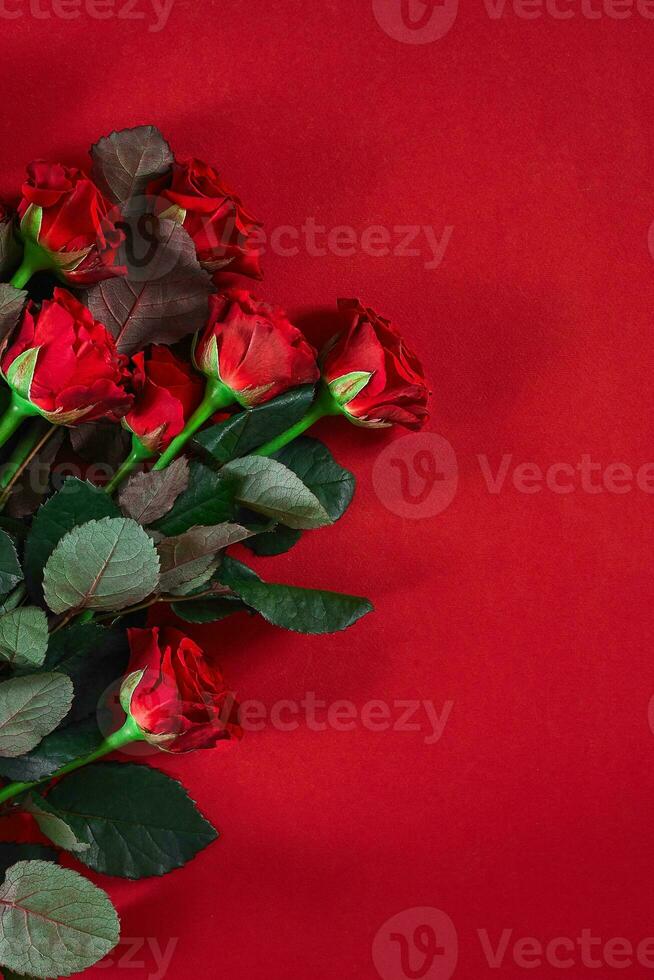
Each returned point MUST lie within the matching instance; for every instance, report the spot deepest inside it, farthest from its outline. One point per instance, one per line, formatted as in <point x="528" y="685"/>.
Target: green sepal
<point x="127" y="689"/>
<point x="347" y="387"/>
<point x="21" y="373"/>
<point x="30" y="225"/>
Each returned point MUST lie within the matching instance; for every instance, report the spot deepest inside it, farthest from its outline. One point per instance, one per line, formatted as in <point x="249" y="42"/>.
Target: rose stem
<point x="19" y="409"/>
<point x="34" y="260"/>
<point x="22" y="456"/>
<point x="139" y="454"/>
<point x="323" y="406"/>
<point x="216" y="396"/>
<point x="130" y="732"/>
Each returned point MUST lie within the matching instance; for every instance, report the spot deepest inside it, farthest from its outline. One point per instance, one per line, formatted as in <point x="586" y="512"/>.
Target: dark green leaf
<point x="208" y="500"/>
<point x="56" y="750"/>
<point x="10" y="570"/>
<point x="93" y="657"/>
<point x="210" y="609"/>
<point x="52" y="825"/>
<point x="53" y="922"/>
<point x="11" y="853"/>
<point x="268" y="487"/>
<point x="76" y="503"/>
<point x="300" y="610"/>
<point x="138" y="821"/>
<point x="274" y="542"/>
<point x="312" y="461"/>
<point x="242" y="433"/>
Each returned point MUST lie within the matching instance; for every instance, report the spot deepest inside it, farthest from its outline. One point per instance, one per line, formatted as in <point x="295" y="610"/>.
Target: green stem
<point x="138" y="455"/>
<point x="19" y="409"/>
<point x="34" y="260"/>
<point x="130" y="732"/>
<point x="324" y="405"/>
<point x="216" y="396"/>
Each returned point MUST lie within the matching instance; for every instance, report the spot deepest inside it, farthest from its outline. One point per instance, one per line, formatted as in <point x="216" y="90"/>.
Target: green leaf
<point x="240" y="434"/>
<point x="30" y="708"/>
<point x="53" y="922"/>
<point x="268" y="487"/>
<point x="56" y="750"/>
<point x="211" y="609"/>
<point x="189" y="560"/>
<point x="138" y="821"/>
<point x="146" y="497"/>
<point x="24" y="636"/>
<point x="53" y="826"/>
<point x="107" y="564"/>
<point x="93" y="656"/>
<point x="312" y="461"/>
<point x="10" y="570"/>
<point x="274" y="542"/>
<point x="11" y="853"/>
<point x="208" y="500"/>
<point x="301" y="610"/>
<point x="76" y="503"/>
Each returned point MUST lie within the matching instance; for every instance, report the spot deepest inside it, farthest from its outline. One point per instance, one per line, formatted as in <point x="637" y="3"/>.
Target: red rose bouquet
<point x="194" y="394"/>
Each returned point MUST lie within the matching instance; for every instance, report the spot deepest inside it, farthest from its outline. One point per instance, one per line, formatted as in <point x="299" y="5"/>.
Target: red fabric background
<point x="531" y="612"/>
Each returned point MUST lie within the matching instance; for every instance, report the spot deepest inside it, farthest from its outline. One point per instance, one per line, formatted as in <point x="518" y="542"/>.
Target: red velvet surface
<point x="531" y="612"/>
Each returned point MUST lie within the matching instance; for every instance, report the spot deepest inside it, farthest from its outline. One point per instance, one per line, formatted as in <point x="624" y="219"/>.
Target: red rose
<point x="66" y="216"/>
<point x="66" y="364"/>
<point x="372" y="374"/>
<point x="223" y="231"/>
<point x="253" y="349"/>
<point x="167" y="393"/>
<point x="180" y="702"/>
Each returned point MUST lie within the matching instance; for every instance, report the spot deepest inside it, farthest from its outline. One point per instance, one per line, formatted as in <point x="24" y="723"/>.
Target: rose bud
<point x="67" y="226"/>
<point x="167" y="393"/>
<point x="62" y="364"/>
<point x="249" y="352"/>
<point x="372" y="374"/>
<point x="369" y="375"/>
<point x="175" y="695"/>
<point x="224" y="232"/>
